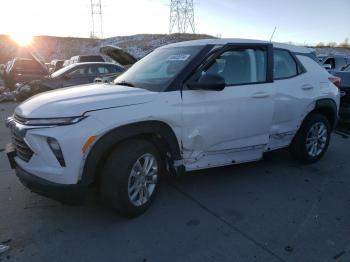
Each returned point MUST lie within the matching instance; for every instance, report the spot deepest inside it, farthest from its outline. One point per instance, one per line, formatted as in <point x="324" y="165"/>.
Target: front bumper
<point x="69" y="194"/>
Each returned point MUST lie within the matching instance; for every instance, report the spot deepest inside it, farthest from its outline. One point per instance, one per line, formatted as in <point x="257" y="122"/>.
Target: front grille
<point x="22" y="149"/>
<point x="19" y="119"/>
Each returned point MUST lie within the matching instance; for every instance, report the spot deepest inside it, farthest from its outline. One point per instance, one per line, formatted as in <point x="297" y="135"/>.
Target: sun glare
<point x="22" y="39"/>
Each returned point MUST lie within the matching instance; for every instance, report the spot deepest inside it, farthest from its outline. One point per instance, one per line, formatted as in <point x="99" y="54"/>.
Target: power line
<point x="96" y="19"/>
<point x="181" y="16"/>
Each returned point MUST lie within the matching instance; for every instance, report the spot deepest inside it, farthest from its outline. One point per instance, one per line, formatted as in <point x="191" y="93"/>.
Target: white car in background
<point x="186" y="106"/>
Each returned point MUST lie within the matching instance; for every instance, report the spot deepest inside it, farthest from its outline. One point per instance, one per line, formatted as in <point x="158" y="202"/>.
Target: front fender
<point x="104" y="145"/>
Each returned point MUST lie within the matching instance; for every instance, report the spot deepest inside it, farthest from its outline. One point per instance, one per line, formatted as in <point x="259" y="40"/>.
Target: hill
<point x="51" y="47"/>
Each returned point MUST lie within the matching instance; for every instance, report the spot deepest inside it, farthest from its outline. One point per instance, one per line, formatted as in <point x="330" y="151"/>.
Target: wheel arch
<point x="328" y="108"/>
<point x="158" y="132"/>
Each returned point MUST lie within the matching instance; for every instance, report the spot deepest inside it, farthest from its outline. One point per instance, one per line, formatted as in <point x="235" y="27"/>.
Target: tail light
<point x="335" y="80"/>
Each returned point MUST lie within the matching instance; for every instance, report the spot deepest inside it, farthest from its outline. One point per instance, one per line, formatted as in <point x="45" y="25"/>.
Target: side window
<point x="77" y="72"/>
<point x="102" y="70"/>
<point x="330" y="61"/>
<point x="240" y="66"/>
<point x="284" y="64"/>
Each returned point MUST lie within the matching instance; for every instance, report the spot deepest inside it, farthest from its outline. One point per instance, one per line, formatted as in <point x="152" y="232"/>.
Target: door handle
<point x="260" y="95"/>
<point x="307" y="87"/>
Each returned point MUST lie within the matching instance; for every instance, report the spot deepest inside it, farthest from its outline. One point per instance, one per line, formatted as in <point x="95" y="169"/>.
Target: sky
<point x="298" y="21"/>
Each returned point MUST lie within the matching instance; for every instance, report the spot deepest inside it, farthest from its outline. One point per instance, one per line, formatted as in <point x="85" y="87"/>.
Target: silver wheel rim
<point x="316" y="139"/>
<point x="143" y="179"/>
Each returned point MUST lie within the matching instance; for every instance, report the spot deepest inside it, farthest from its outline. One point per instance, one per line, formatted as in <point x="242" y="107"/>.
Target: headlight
<point x="62" y="121"/>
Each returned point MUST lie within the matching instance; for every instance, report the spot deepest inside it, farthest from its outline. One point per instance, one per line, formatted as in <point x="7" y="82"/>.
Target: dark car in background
<point x="72" y="75"/>
<point x="344" y="75"/>
<point x="86" y="58"/>
<point x="21" y="70"/>
<point x="334" y="62"/>
<point x="56" y="65"/>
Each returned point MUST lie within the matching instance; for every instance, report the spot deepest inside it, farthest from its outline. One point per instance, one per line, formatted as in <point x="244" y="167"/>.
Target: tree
<point x="345" y="44"/>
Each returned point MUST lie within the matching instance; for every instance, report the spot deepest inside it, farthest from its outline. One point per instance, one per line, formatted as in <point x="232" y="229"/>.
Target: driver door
<point x="232" y="125"/>
<point x="77" y="76"/>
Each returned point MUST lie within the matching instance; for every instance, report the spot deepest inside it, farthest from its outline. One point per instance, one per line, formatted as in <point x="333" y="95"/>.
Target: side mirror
<point x="327" y="66"/>
<point x="67" y="77"/>
<point x="213" y="82"/>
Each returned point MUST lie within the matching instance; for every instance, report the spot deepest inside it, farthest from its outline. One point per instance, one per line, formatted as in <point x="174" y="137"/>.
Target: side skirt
<point x="204" y="160"/>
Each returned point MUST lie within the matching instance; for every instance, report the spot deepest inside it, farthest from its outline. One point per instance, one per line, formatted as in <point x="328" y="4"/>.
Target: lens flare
<point x="22" y="39"/>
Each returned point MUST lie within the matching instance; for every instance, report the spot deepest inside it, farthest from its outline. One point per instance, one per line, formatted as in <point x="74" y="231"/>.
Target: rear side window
<point x="284" y="64"/>
<point x="241" y="66"/>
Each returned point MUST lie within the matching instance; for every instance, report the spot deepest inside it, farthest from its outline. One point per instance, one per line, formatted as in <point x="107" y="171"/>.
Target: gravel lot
<point x="271" y="210"/>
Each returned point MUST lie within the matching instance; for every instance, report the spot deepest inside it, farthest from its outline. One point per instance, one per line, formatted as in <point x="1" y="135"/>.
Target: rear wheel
<point x="130" y="178"/>
<point x="312" y="140"/>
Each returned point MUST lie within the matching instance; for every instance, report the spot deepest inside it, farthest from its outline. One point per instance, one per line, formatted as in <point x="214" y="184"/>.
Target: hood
<point x="119" y="55"/>
<point x="35" y="56"/>
<point x="75" y="101"/>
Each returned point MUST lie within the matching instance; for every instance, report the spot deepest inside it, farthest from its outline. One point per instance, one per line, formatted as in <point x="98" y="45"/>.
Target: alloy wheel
<point x="316" y="139"/>
<point x="143" y="179"/>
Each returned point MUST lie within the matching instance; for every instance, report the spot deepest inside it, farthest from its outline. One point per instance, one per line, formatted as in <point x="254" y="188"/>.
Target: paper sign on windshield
<point x="179" y="57"/>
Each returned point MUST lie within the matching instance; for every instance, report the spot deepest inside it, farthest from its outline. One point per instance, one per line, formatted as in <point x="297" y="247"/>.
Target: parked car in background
<point x="21" y="70"/>
<point x="184" y="107"/>
<point x="79" y="74"/>
<point x="344" y="75"/>
<point x="334" y="62"/>
<point x="72" y="75"/>
<point x="119" y="55"/>
<point x="56" y="65"/>
<point x="116" y="54"/>
<point x="66" y="63"/>
<point x="86" y="58"/>
<point x="2" y="70"/>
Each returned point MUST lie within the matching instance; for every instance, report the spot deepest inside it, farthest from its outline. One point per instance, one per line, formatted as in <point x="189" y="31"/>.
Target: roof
<point x="86" y="56"/>
<point x="224" y="41"/>
<point x="333" y="56"/>
<point x="95" y="63"/>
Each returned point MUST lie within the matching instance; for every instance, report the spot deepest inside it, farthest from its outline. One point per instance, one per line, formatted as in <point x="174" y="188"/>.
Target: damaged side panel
<point x="226" y="127"/>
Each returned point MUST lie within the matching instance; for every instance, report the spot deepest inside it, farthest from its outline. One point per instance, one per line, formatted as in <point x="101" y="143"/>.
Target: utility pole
<point x="181" y="16"/>
<point x="96" y="19"/>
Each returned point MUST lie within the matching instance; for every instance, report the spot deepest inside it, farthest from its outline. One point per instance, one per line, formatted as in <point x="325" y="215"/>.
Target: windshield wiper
<point x="125" y="83"/>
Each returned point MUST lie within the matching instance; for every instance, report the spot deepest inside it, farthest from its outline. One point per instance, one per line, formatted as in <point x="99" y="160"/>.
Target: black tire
<point x="299" y="148"/>
<point x="116" y="173"/>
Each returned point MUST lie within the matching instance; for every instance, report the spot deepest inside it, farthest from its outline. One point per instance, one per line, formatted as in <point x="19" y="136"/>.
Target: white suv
<point x="186" y="106"/>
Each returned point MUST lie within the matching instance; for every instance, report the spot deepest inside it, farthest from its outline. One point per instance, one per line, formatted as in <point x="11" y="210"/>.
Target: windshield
<point x="61" y="71"/>
<point x="158" y="69"/>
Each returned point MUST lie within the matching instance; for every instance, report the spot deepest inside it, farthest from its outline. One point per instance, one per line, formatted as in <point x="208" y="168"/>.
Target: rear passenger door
<point x="295" y="93"/>
<point x="232" y="125"/>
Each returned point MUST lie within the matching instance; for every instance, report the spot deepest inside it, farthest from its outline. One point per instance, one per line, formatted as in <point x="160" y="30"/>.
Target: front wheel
<point x="312" y="140"/>
<point x="130" y="178"/>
